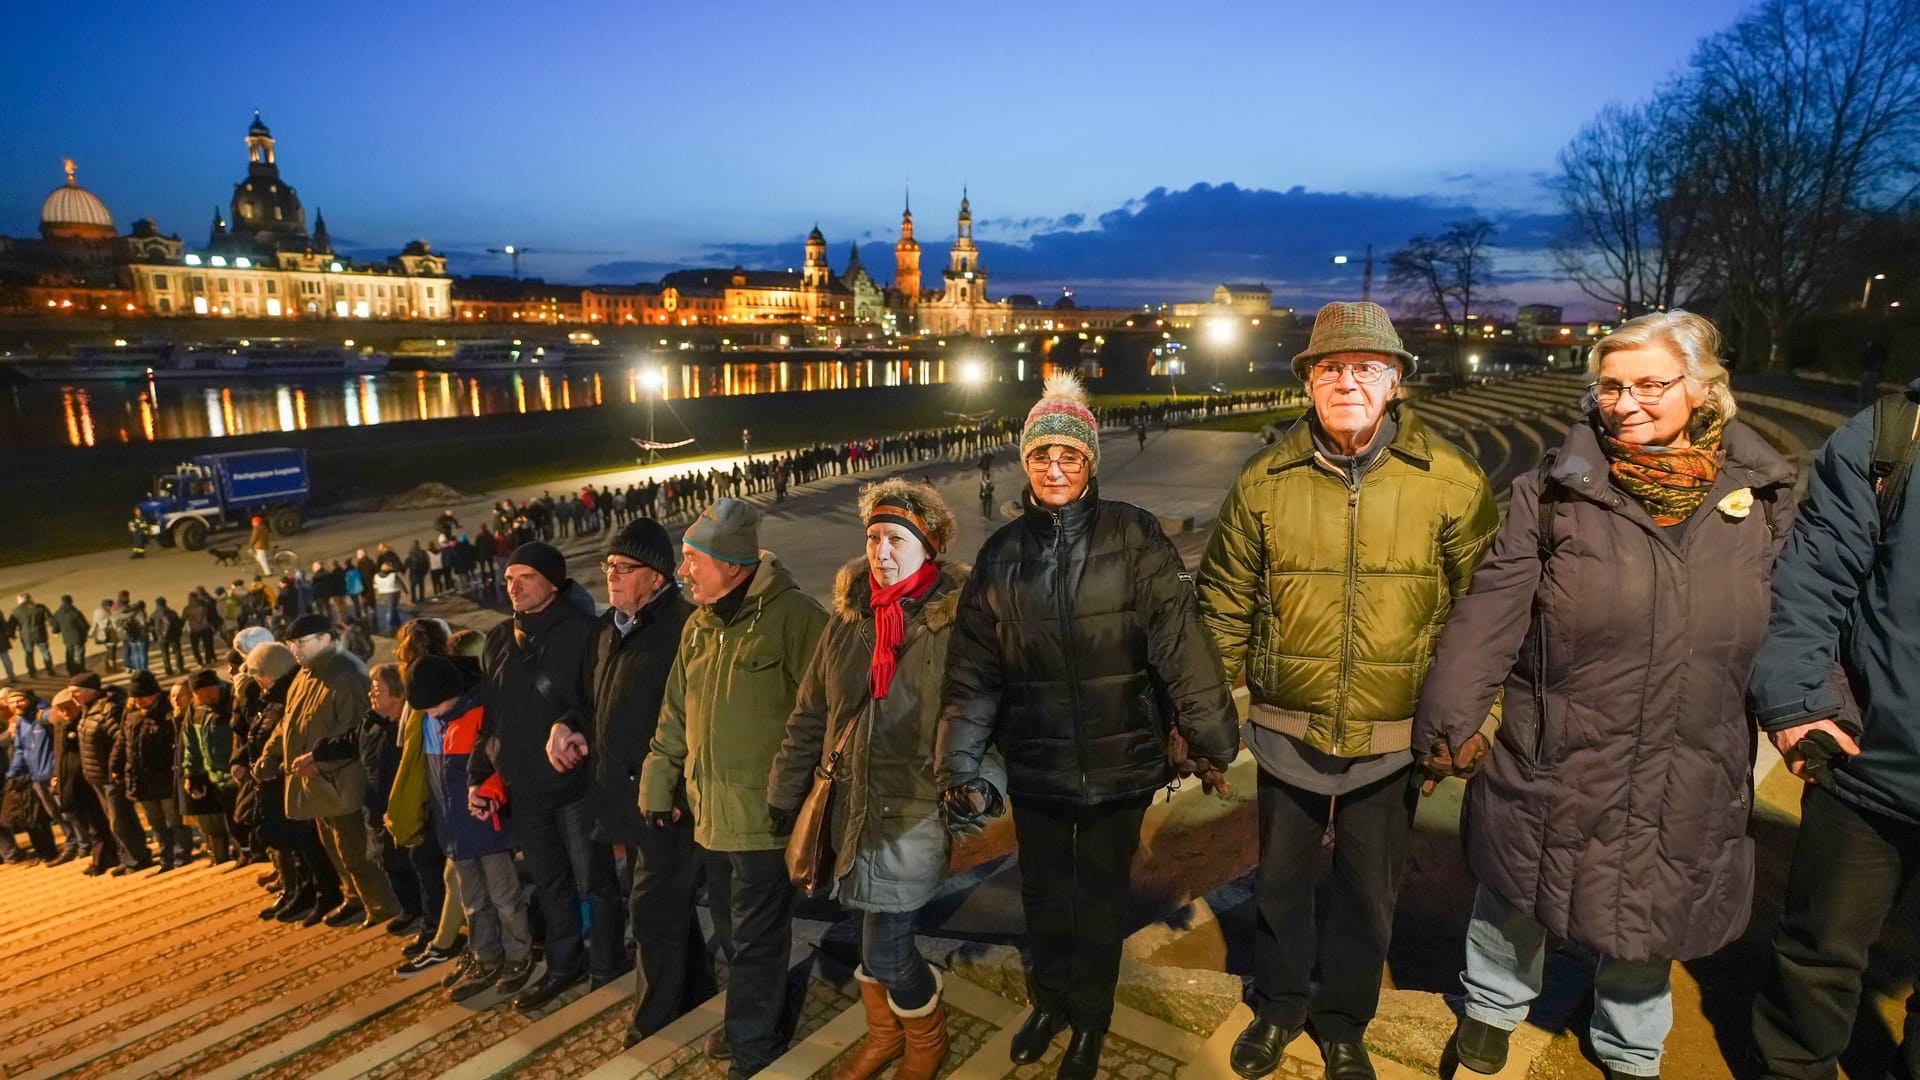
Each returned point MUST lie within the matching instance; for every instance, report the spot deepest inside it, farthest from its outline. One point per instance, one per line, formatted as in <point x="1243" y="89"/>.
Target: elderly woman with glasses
<point x="1604" y="649"/>
<point x="1078" y="651"/>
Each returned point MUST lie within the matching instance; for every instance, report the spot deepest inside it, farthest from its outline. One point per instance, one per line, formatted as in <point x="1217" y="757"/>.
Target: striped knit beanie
<point x="1062" y="418"/>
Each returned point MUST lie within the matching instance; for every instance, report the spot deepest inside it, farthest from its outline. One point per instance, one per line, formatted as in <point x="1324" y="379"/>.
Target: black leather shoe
<point x="716" y="1048"/>
<point x="1082" y="1059"/>
<point x="294" y="906"/>
<point x="1257" y="1051"/>
<point x="317" y="914"/>
<point x="1347" y="1060"/>
<point x="1480" y="1047"/>
<point x="1031" y="1041"/>
<point x="347" y="914"/>
<point x="549" y="987"/>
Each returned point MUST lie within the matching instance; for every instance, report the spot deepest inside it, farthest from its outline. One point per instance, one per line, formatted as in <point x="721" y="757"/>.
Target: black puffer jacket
<point x="631" y="675"/>
<point x="99" y="731"/>
<point x="1077" y="643"/>
<point x="560" y="642"/>
<point x="143" y="760"/>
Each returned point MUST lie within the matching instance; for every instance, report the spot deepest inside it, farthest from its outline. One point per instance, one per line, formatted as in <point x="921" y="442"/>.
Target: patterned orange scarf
<point x="1669" y="482"/>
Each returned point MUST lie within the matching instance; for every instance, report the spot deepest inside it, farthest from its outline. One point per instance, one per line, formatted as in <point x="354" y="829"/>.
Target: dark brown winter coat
<point x="1614" y="807"/>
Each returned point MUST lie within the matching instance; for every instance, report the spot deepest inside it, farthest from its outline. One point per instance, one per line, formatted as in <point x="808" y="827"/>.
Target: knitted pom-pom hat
<point x="1062" y="418"/>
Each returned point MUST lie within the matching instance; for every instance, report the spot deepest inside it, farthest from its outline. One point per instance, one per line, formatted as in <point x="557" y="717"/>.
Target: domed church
<point x="266" y="213"/>
<point x="71" y="212"/>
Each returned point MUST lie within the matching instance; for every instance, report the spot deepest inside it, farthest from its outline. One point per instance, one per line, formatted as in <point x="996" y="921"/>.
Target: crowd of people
<point x="535" y="798"/>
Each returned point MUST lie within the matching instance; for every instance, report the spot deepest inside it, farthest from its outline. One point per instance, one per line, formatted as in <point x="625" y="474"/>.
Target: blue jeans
<point x="134" y="655"/>
<point x="1506" y="953"/>
<point x="888" y="952"/>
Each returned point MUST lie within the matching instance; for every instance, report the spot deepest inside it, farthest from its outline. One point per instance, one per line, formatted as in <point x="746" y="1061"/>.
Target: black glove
<point x="968" y="806"/>
<point x="782" y="820"/>
<point x="659" y="819"/>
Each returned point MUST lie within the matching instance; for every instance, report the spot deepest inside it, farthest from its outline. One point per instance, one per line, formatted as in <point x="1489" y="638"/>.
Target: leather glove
<point x="1441" y="762"/>
<point x="970" y="805"/>
<point x="782" y="820"/>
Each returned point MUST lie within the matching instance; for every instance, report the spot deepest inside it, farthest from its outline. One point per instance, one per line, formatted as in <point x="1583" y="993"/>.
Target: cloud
<point x="1169" y="245"/>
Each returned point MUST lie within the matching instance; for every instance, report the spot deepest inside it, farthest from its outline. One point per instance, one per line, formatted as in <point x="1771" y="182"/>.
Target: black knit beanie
<point x="545" y="559"/>
<point x="645" y="542"/>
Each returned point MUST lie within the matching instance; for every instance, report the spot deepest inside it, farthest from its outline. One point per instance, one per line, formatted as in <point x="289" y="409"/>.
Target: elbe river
<point x="45" y="413"/>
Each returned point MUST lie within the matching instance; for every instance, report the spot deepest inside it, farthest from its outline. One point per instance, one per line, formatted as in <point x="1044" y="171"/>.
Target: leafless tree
<point x="1808" y="112"/>
<point x="1439" y="277"/>
<point x="1629" y="184"/>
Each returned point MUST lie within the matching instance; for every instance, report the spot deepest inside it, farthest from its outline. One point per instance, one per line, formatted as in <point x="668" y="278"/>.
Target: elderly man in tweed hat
<point x="1336" y="558"/>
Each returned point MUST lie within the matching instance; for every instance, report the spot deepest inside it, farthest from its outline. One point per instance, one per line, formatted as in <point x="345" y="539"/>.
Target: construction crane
<point x="512" y="252"/>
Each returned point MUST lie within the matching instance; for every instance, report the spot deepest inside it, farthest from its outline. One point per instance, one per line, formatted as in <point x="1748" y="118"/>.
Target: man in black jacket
<point x="1077" y="647"/>
<point x="673" y="972"/>
<point x="539" y="668"/>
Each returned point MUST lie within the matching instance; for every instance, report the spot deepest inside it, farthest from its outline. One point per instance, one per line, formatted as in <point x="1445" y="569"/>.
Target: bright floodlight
<point x="1222" y="332"/>
<point x="1339" y="260"/>
<point x="654" y="379"/>
<point x="973" y="373"/>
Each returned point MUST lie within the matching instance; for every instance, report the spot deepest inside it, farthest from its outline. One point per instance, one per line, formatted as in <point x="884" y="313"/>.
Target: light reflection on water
<point x="47" y="413"/>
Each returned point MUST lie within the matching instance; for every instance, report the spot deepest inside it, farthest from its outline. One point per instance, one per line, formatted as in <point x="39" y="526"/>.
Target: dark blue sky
<point x="1131" y="150"/>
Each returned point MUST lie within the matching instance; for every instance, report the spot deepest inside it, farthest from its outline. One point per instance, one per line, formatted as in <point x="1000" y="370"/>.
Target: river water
<point x="50" y="413"/>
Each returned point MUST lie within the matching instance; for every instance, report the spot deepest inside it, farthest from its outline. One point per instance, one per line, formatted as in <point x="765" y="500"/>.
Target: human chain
<point x="485" y="796"/>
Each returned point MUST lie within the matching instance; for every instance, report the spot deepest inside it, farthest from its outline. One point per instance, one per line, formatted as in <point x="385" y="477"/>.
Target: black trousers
<point x="128" y="833"/>
<point x="752" y="901"/>
<point x="429" y="864"/>
<point x="1344" y="944"/>
<point x="1850" y="867"/>
<point x="1075" y="864"/>
<point x="571" y="871"/>
<point x="398" y="864"/>
<point x="79" y="799"/>
<point x="672" y="971"/>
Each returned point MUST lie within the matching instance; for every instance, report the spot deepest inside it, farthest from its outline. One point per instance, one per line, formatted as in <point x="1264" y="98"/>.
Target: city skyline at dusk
<point x="1129" y="154"/>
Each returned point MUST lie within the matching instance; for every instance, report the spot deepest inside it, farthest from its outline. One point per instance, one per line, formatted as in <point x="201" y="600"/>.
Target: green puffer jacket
<point x="728" y="698"/>
<point x="1330" y="598"/>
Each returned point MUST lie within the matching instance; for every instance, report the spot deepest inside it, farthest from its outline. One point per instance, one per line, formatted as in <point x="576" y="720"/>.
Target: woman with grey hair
<point x="1593" y="677"/>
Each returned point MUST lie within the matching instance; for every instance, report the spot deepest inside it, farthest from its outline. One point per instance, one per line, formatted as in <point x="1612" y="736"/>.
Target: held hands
<point x="304" y="766"/>
<point x="565" y="747"/>
<point x="1213" y="778"/>
<point x="479" y="805"/>
<point x="968" y="806"/>
<point x="1802" y="750"/>
<point x="661" y="819"/>
<point x="1441" y="763"/>
<point x="781" y="820"/>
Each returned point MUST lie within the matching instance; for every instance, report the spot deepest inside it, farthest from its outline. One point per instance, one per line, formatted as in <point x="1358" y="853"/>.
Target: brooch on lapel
<point x="1737" y="504"/>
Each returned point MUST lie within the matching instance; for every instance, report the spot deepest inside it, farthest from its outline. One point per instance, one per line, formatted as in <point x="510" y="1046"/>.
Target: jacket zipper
<point x="1346" y="622"/>
<point x="1066" y="647"/>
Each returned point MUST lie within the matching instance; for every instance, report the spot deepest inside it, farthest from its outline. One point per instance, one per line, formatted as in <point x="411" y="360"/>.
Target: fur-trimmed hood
<point x="853" y="587"/>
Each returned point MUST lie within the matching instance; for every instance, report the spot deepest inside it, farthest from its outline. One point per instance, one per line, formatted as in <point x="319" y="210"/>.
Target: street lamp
<point x="655" y="381"/>
<point x="1866" y="294"/>
<point x="1366" y="273"/>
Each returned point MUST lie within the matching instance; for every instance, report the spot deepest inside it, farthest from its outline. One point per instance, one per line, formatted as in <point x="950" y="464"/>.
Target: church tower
<point x="814" y="273"/>
<point x="966" y="281"/>
<point x="906" y="261"/>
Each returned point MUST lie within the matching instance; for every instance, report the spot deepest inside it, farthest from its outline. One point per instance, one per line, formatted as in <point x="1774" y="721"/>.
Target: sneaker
<point x="514" y="975"/>
<point x="417" y="946"/>
<point x="478" y="979"/>
<point x="426" y="958"/>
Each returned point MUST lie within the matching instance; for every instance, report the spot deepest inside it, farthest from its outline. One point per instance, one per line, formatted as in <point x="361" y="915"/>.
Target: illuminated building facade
<point x="962" y="307"/>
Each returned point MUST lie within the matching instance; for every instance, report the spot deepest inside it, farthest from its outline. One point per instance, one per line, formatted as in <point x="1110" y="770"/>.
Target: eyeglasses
<point x="619" y="569"/>
<point x="1070" y="463"/>
<point x="1367" y="373"/>
<point x="1646" y="391"/>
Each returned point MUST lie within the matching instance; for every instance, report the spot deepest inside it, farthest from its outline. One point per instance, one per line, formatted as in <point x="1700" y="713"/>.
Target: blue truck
<point x="220" y="491"/>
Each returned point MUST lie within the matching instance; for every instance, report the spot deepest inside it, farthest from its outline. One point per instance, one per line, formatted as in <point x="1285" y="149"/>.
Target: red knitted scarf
<point x="890" y="623"/>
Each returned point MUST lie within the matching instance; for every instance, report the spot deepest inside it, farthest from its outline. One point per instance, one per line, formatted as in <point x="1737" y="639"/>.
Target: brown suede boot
<point x="885" y="1040"/>
<point x="926" y="1031"/>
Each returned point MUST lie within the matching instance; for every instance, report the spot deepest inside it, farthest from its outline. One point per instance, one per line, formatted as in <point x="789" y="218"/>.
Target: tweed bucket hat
<point x="1343" y="327"/>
